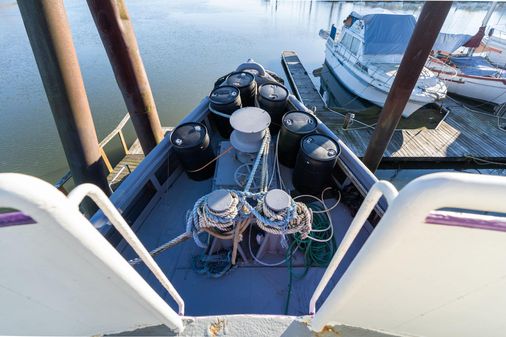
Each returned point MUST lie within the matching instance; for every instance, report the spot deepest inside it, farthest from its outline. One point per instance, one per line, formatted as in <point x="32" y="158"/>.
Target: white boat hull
<point x="498" y="53"/>
<point x="361" y="85"/>
<point x="488" y="89"/>
<point x="484" y="89"/>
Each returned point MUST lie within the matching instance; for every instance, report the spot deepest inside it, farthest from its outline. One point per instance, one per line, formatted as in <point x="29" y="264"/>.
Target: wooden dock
<point x="462" y="138"/>
<point x="133" y="157"/>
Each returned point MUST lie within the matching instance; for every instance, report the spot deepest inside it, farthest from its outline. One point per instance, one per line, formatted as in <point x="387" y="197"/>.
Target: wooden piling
<point x="427" y="28"/>
<point x="117" y="34"/>
<point x="51" y="41"/>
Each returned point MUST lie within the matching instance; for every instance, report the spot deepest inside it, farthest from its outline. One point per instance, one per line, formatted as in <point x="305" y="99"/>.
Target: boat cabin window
<point x="346" y="41"/>
<point x="355" y="44"/>
<point x="351" y="43"/>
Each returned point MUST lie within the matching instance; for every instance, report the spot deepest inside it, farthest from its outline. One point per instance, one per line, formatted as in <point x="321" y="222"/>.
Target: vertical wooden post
<point x="427" y="28"/>
<point x="117" y="34"/>
<point x="51" y="41"/>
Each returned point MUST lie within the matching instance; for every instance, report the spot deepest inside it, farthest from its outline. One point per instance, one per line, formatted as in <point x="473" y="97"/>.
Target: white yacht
<point x="366" y="55"/>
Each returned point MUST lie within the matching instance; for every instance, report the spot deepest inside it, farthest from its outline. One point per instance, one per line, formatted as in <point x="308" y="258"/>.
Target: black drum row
<point x="311" y="155"/>
<point x="240" y="89"/>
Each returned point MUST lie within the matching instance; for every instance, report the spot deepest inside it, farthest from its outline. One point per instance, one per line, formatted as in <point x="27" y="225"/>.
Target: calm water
<point x="185" y="46"/>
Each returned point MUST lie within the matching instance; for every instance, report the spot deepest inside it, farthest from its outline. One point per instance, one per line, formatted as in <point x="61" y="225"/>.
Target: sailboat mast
<point x="483" y="26"/>
<point x="491" y="10"/>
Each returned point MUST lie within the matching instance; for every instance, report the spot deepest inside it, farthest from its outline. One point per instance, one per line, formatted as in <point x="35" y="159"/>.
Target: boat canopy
<point x="387" y="34"/>
<point x="450" y="42"/>
<point x="476" y="66"/>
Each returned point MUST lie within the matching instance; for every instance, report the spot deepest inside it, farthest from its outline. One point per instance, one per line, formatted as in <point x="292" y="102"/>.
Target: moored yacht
<point x="366" y="55"/>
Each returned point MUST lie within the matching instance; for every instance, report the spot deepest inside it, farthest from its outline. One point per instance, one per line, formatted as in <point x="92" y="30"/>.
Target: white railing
<point x="113" y="180"/>
<point x="426" y="273"/>
<point x="77" y="195"/>
<point x="379" y="189"/>
<point x="61" y="276"/>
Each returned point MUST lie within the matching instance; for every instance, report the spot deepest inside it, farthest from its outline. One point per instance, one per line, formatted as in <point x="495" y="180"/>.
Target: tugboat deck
<point x="462" y="137"/>
<point x="249" y="288"/>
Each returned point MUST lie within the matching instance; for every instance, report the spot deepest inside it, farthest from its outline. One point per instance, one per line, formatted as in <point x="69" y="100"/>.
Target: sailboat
<point x="366" y="54"/>
<point x="494" y="47"/>
<point x="470" y="75"/>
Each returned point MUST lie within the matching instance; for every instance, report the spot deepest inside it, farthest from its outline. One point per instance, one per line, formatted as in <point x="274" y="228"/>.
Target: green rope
<point x="214" y="266"/>
<point x="316" y="254"/>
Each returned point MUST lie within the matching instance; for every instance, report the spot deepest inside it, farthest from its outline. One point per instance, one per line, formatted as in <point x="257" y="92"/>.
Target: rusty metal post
<point x="51" y="41"/>
<point x="117" y="34"/>
<point x="427" y="28"/>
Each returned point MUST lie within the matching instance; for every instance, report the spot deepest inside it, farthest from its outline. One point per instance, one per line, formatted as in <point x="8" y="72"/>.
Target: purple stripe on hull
<point x="491" y="223"/>
<point x="15" y="219"/>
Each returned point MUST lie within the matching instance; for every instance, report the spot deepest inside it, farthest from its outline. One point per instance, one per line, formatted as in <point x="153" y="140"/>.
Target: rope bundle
<point x="231" y="223"/>
<point x="224" y="221"/>
<point x="295" y="219"/>
<point x="220" y="224"/>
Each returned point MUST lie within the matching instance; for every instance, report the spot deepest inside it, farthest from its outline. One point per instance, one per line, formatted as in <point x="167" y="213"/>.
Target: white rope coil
<point x="300" y="221"/>
<point x="224" y="221"/>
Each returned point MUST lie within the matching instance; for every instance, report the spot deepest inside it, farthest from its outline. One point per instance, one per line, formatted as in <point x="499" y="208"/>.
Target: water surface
<point x="185" y="46"/>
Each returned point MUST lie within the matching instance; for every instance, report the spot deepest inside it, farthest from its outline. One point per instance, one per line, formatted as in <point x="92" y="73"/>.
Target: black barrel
<point x="225" y="99"/>
<point x="294" y="126"/>
<point x="221" y="80"/>
<point x="246" y="84"/>
<point x="315" y="161"/>
<point x="191" y="145"/>
<point x="273" y="98"/>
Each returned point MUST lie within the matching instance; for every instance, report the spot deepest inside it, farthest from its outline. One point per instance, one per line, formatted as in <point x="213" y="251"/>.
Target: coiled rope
<point x="231" y="223"/>
<point x="295" y="219"/>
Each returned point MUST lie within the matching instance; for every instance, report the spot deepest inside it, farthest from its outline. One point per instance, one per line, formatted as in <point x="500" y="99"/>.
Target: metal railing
<point x="113" y="180"/>
<point x="102" y="201"/>
<point x="116" y="132"/>
<point x="379" y="189"/>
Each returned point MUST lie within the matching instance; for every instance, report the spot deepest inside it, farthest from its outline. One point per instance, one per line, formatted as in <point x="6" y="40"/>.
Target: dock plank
<point x="462" y="135"/>
<point x="129" y="163"/>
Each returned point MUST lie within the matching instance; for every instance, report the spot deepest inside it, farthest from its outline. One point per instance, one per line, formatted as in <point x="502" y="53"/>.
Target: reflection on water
<point x="339" y="98"/>
<point x="185" y="46"/>
<point x="335" y="93"/>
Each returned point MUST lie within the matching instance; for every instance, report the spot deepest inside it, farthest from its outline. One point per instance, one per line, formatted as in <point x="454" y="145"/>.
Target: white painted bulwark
<point x="59" y="276"/>
<point x="424" y="279"/>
